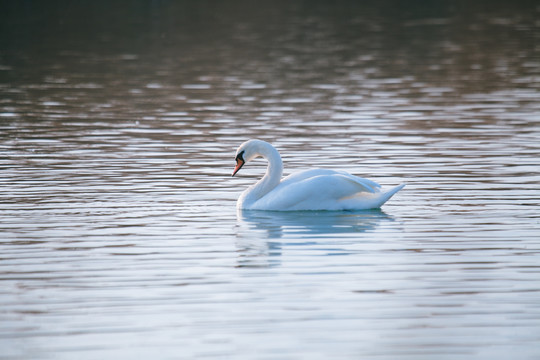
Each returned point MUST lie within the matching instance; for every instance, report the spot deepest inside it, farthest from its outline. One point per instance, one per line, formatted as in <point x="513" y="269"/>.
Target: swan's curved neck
<point x="270" y="180"/>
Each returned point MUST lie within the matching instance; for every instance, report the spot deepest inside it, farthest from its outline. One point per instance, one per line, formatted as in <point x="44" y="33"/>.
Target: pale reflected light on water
<point x="120" y="236"/>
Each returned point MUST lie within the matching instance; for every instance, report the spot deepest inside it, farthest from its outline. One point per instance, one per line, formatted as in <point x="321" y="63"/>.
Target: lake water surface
<point x="120" y="238"/>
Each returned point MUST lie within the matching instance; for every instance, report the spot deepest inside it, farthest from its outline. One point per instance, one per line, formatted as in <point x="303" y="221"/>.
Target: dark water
<point x="119" y="232"/>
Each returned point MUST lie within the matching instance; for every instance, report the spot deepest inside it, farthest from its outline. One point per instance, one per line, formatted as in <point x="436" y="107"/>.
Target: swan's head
<point x="249" y="151"/>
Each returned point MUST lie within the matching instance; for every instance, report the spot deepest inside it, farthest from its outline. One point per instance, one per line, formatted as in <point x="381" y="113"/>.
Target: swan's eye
<point x="239" y="162"/>
<point x="240" y="156"/>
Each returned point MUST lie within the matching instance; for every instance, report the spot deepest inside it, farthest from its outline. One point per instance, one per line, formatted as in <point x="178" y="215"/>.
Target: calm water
<point x="119" y="233"/>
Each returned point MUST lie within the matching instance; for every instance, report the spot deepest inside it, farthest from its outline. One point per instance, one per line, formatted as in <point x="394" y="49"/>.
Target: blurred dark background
<point x="472" y="46"/>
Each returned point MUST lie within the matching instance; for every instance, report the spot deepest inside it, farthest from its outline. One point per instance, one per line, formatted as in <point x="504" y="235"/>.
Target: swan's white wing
<point x="314" y="190"/>
<point x="303" y="175"/>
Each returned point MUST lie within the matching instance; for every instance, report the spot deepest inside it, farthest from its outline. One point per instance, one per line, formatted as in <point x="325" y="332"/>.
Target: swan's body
<point x="316" y="189"/>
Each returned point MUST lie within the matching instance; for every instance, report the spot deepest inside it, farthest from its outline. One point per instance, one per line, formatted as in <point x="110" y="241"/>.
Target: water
<point x="119" y="232"/>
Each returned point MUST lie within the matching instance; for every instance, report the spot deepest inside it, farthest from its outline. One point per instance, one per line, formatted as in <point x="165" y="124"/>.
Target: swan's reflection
<point x="262" y="234"/>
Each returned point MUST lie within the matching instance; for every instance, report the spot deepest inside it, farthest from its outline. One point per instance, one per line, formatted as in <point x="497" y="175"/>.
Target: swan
<point x="315" y="189"/>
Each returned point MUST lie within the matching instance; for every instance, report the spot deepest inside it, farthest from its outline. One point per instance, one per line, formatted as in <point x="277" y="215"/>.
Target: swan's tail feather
<point x="388" y="194"/>
<point x="365" y="200"/>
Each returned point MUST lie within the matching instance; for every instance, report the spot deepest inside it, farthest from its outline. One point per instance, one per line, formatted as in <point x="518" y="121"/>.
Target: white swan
<point x="316" y="189"/>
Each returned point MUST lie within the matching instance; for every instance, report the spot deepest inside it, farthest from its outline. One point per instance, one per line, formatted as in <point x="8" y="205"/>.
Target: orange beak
<point x="239" y="164"/>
